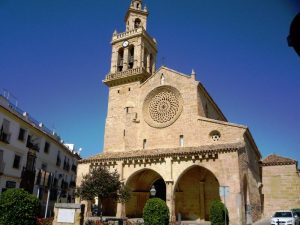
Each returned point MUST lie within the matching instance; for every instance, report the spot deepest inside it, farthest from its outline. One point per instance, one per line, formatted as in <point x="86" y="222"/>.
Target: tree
<point x="18" y="207"/>
<point x="218" y="213"/>
<point x="102" y="183"/>
<point x="156" y="212"/>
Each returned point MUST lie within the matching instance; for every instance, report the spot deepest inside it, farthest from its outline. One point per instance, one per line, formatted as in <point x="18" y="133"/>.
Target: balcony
<point x="126" y="76"/>
<point x="27" y="179"/>
<point x="2" y="166"/>
<point x="32" y="145"/>
<point x="5" y="137"/>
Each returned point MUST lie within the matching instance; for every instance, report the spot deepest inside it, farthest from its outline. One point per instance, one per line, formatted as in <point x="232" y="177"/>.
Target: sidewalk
<point x="265" y="221"/>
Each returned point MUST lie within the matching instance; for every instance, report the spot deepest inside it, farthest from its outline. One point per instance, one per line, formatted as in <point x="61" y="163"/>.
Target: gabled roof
<point x="274" y="160"/>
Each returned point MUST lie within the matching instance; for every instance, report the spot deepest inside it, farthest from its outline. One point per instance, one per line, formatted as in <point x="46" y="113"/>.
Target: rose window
<point x="162" y="106"/>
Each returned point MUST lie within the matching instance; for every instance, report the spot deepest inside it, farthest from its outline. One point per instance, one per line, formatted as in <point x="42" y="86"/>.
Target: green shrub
<point x="18" y="207"/>
<point x="217" y="213"/>
<point x="156" y="212"/>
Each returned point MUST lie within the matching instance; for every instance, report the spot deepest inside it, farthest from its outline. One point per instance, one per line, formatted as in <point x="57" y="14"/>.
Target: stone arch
<point x="130" y="56"/>
<point x="120" y="60"/>
<point x="140" y="183"/>
<point x="194" y="190"/>
<point x="137" y="23"/>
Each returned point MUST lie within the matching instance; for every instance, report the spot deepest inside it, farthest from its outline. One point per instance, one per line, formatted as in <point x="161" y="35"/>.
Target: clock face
<point x="125" y="44"/>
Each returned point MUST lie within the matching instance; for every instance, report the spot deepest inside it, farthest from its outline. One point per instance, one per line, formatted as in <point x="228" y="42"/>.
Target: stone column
<point x="114" y="61"/>
<point x="148" y="63"/>
<point x="202" y="203"/>
<point x="125" y="59"/>
<point x="170" y="200"/>
<point x="120" y="206"/>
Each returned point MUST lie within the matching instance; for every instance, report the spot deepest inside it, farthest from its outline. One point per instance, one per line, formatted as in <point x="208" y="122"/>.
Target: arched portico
<point x="140" y="184"/>
<point x="194" y="190"/>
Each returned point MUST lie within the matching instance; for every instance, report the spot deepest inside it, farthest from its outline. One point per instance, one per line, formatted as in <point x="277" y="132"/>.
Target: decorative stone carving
<point x="162" y="106"/>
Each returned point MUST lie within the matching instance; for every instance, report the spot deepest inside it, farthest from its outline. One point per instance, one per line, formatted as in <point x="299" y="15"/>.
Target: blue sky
<point x="54" y="55"/>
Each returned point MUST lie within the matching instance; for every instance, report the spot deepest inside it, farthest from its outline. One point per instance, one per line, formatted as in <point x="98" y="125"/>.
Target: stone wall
<point x="281" y="188"/>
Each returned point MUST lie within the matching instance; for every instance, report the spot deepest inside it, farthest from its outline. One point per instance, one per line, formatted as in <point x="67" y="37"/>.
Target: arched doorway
<point x="194" y="191"/>
<point x="140" y="184"/>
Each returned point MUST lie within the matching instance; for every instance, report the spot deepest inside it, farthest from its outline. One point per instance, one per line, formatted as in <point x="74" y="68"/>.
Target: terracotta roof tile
<point x="273" y="160"/>
<point x="164" y="152"/>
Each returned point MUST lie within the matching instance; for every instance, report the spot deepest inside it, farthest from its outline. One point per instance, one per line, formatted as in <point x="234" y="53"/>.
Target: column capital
<point x="169" y="181"/>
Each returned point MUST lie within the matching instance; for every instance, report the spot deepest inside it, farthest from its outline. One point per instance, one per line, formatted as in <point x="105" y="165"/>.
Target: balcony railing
<point x="126" y="73"/>
<point x="5" y="137"/>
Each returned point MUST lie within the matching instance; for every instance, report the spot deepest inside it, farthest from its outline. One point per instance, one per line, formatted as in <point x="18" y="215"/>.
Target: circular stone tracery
<point x="162" y="106"/>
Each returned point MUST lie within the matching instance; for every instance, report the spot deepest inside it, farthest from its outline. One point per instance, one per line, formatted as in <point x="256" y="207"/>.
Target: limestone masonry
<point x="163" y="130"/>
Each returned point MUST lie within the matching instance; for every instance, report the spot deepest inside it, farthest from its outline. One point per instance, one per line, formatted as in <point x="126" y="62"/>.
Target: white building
<point x="34" y="158"/>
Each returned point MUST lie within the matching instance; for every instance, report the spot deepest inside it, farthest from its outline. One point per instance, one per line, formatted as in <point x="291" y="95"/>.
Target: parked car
<point x="285" y="217"/>
<point x="297" y="212"/>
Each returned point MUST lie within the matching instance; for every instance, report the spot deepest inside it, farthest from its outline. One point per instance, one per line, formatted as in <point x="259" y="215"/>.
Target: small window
<point x="22" y="133"/>
<point x="47" y="147"/>
<point x="181" y="140"/>
<point x="162" y="79"/>
<point x="129" y="89"/>
<point x="124" y="132"/>
<point x="144" y="143"/>
<point x="119" y="91"/>
<point x="17" y="161"/>
<point x="215" y="135"/>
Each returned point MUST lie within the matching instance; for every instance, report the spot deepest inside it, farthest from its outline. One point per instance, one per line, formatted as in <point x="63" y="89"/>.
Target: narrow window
<point x="47" y="147"/>
<point x="181" y="140"/>
<point x="131" y="57"/>
<point x="21" y="136"/>
<point x="4" y="132"/>
<point x="129" y="89"/>
<point x="120" y="59"/>
<point x="119" y="91"/>
<point x="162" y="79"/>
<point x="17" y="161"/>
<point x="144" y="143"/>
<point x="124" y="132"/>
<point x="1" y="156"/>
<point x="137" y="23"/>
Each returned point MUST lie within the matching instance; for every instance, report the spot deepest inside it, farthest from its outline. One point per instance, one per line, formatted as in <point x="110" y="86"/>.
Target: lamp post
<point x="152" y="191"/>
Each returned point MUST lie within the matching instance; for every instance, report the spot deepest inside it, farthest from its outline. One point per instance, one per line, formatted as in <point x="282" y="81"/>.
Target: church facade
<point x="164" y="130"/>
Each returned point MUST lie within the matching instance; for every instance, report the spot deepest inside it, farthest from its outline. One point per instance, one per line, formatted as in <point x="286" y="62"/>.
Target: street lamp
<point x="152" y="191"/>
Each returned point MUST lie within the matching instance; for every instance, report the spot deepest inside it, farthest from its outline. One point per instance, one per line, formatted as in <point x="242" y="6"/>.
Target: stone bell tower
<point x="133" y="51"/>
<point x="132" y="62"/>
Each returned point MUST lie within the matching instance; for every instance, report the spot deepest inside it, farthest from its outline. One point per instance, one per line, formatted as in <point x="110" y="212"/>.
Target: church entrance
<point x="140" y="184"/>
<point x="194" y="191"/>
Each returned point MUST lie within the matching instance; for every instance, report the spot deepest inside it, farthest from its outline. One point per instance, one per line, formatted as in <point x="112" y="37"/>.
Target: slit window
<point x="144" y="143"/>
<point x="181" y="141"/>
